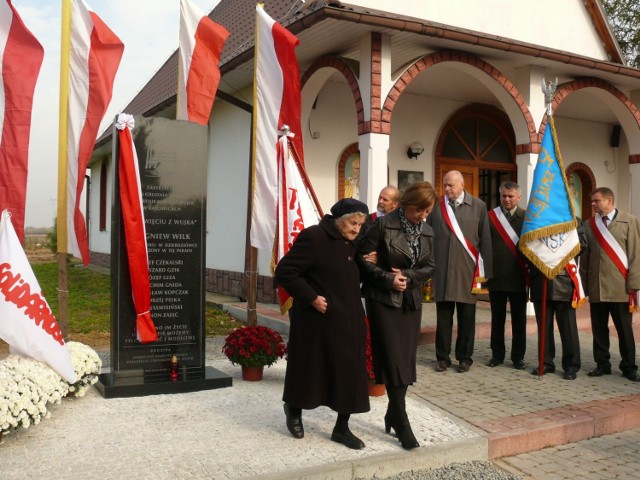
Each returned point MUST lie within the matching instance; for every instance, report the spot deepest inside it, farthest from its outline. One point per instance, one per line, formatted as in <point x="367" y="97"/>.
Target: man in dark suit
<point x="610" y="270"/>
<point x="460" y="253"/>
<point x="509" y="281"/>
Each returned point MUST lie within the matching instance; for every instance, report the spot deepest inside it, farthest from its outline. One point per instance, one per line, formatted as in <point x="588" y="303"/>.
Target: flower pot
<point x="252" y="374"/>
<point x="376" y="390"/>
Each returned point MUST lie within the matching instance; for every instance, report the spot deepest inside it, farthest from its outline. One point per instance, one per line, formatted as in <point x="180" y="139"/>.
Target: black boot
<point x="342" y="434"/>
<point x="294" y="420"/>
<point x="388" y="418"/>
<point x="399" y="419"/>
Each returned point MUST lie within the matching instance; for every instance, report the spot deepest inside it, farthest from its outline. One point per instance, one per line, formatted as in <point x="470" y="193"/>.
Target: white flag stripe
<point x="27" y="325"/>
<point x="81" y="27"/>
<point x="269" y="89"/>
<point x="190" y="17"/>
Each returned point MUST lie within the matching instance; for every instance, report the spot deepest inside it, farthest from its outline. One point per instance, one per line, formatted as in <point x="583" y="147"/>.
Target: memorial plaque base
<point x="137" y="383"/>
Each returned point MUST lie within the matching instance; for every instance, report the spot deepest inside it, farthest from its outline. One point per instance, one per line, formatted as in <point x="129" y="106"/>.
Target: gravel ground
<point x="458" y="471"/>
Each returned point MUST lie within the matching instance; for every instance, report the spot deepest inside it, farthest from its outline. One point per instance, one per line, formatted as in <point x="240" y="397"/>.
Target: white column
<point x="374" y="148"/>
<point x="526" y="165"/>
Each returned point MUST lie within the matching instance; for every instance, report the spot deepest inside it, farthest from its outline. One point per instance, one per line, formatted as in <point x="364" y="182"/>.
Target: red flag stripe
<point x="201" y="43"/>
<point x="135" y="236"/>
<point x="22" y="57"/>
<point x="96" y="56"/>
<point x="284" y="44"/>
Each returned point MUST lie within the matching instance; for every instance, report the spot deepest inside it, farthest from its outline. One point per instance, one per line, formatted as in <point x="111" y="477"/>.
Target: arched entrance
<point x="479" y="142"/>
<point x="581" y="183"/>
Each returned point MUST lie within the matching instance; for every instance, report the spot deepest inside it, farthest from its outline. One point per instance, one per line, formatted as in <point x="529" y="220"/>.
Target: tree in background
<point x="624" y="16"/>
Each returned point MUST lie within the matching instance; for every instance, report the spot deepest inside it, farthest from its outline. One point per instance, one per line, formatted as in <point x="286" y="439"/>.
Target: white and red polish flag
<point x="95" y="56"/>
<point x="134" y="230"/>
<point x="297" y="206"/>
<point x="20" y="60"/>
<point x="27" y="323"/>
<point x="201" y="42"/>
<point x="276" y="103"/>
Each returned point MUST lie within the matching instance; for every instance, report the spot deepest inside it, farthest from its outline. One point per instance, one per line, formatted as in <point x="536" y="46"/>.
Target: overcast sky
<point x="149" y="31"/>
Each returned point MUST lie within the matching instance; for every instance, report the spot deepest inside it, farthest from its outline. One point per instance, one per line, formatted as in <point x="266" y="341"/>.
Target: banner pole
<point x="61" y="221"/>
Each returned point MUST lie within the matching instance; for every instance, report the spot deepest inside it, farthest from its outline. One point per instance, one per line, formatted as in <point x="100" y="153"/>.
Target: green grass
<point x="89" y="303"/>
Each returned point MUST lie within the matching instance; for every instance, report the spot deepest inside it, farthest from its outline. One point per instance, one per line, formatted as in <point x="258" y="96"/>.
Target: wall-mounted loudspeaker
<point x="615" y="136"/>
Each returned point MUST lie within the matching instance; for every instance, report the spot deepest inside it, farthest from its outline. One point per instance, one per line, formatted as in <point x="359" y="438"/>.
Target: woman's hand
<point x="371" y="257"/>
<point x="400" y="281"/>
<point x="320" y="304"/>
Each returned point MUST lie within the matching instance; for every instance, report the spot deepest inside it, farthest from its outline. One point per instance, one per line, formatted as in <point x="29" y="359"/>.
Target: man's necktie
<point x="508" y="215"/>
<point x="453" y="205"/>
<point x="605" y="221"/>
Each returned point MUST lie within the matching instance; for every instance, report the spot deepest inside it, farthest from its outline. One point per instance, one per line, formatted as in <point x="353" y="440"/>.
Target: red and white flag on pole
<point x="134" y="230"/>
<point x="296" y="206"/>
<point x="276" y="103"/>
<point x="95" y="56"/>
<point x="27" y="323"/>
<point x="201" y="42"/>
<point x="21" y="57"/>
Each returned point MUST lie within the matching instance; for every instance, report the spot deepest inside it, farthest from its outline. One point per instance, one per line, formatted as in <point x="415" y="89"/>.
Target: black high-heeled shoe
<point x="294" y="422"/>
<point x="405" y="435"/>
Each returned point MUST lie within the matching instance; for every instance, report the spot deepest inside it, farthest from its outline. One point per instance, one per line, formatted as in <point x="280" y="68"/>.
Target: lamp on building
<point x="414" y="150"/>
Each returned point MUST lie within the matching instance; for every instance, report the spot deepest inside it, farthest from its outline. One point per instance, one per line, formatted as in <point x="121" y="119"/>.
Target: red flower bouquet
<point x="254" y="346"/>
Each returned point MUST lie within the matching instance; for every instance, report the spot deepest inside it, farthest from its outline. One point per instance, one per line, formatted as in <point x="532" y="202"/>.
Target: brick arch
<point x="589" y="184"/>
<point x="566" y="89"/>
<point x="347" y="73"/>
<point x="454" y="56"/>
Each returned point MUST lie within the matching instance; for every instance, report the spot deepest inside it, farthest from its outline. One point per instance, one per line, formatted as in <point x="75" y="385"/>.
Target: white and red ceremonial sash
<point x="296" y="209"/>
<point x="95" y="56"/>
<point x="452" y="223"/>
<point x="134" y="230"/>
<point x="20" y="60"/>
<point x="201" y="43"/>
<point x="276" y="103"/>
<point x="578" y="297"/>
<point x="615" y="252"/>
<point x="27" y="323"/>
<point x="509" y="237"/>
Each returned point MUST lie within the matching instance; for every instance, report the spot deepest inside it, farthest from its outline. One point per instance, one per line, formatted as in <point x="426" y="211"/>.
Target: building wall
<point x="564" y="25"/>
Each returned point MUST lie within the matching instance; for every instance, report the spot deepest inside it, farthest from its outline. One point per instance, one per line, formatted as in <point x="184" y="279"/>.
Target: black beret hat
<point x="348" y="205"/>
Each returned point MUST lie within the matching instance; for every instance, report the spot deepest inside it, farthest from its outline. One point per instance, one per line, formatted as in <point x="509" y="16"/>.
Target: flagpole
<point x="61" y="222"/>
<point x="251" y="253"/>
<point x="543" y="327"/>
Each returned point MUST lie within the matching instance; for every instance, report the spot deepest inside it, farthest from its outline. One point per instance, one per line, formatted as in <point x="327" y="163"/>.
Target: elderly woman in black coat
<point x="326" y="363"/>
<point x="403" y="245"/>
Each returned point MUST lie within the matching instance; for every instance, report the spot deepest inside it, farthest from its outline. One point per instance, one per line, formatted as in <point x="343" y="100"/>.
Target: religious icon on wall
<point x="575" y="193"/>
<point x="352" y="176"/>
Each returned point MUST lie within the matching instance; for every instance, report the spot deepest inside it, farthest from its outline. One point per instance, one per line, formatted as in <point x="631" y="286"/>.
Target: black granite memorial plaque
<point x="172" y="158"/>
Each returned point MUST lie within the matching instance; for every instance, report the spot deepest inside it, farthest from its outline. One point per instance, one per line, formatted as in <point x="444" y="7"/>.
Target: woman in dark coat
<point x="326" y="363"/>
<point x="403" y="244"/>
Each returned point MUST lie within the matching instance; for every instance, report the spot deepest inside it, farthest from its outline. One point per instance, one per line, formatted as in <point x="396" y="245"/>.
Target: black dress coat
<point x="326" y="362"/>
<point x="394" y="317"/>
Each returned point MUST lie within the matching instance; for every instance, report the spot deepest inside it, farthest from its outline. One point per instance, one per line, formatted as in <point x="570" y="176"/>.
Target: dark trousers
<point x="518" y="307"/>
<point x="622" y="319"/>
<point x="466" y="330"/>
<point x="565" y="317"/>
